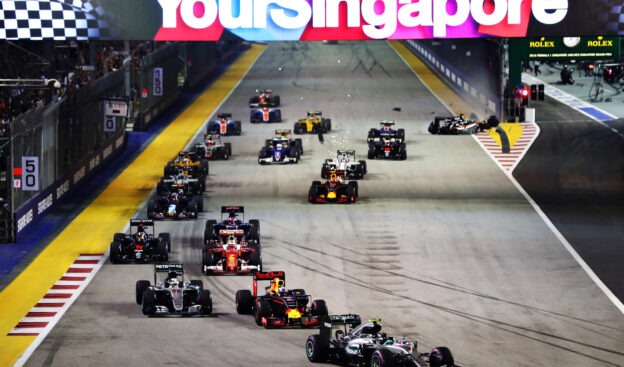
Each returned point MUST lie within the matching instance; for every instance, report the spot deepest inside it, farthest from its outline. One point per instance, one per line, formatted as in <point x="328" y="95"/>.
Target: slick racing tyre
<point x="141" y="287"/>
<point x="244" y="301"/>
<point x="115" y="252"/>
<point x="166" y="237"/>
<point x="317" y="349"/>
<point x="319" y="308"/>
<point x="441" y="356"/>
<point x="263" y="311"/>
<point x="161" y="251"/>
<point x="205" y="300"/>
<point x="149" y="303"/>
<point x="198" y="283"/>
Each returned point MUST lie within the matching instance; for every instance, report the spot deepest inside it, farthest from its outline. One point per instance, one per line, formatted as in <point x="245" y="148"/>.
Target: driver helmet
<point x="174" y="282"/>
<point x="175" y="197"/>
<point x="279" y="146"/>
<point x="281" y="291"/>
<point x="140" y="236"/>
<point x="186" y="160"/>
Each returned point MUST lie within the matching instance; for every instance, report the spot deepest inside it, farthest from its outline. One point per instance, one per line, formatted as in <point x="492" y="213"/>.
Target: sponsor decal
<point x="24" y="220"/>
<point x="267" y="20"/>
<point x="44" y="204"/>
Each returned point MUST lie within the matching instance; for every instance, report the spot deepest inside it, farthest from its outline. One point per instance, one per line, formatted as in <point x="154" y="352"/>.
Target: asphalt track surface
<point x="443" y="247"/>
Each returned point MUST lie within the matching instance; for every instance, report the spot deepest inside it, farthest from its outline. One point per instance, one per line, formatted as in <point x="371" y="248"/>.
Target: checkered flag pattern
<point x="52" y="19"/>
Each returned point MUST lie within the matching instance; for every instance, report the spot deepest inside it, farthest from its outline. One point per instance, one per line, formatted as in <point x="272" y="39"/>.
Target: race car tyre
<point x="401" y="134"/>
<point x="198" y="283"/>
<point x="441" y="356"/>
<point x="256" y="259"/>
<point x="263" y="311"/>
<point x="228" y="150"/>
<point x="317" y="348"/>
<point x="161" y="251"/>
<point x="371" y="134"/>
<point x="364" y="168"/>
<point x="297" y="129"/>
<point x="371" y="153"/>
<point x="115" y="252"/>
<point x="199" y="199"/>
<point x="208" y="260"/>
<point x="141" y="287"/>
<point x="205" y="168"/>
<point x="278" y="116"/>
<point x="276" y="100"/>
<point x="161" y="188"/>
<point x="355" y="187"/>
<point x="118" y="237"/>
<point x="255" y="227"/>
<point x="149" y="302"/>
<point x="327" y="125"/>
<point x="319" y="308"/>
<point x="299" y="143"/>
<point x="237" y="128"/>
<point x="402" y="152"/>
<point x="209" y="233"/>
<point x="205" y="300"/>
<point x="324" y="172"/>
<point x="252" y="117"/>
<point x="244" y="301"/>
<point x="381" y="358"/>
<point x="167" y="239"/>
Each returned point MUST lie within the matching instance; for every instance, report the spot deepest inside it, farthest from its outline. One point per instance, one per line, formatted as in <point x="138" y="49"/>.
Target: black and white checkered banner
<point x="52" y="19"/>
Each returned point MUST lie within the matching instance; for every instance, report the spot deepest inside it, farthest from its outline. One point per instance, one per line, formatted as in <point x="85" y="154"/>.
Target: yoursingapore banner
<point x="277" y="20"/>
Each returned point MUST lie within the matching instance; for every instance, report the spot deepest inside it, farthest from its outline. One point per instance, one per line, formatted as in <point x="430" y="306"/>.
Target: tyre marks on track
<point x="508" y="161"/>
<point x="52" y="306"/>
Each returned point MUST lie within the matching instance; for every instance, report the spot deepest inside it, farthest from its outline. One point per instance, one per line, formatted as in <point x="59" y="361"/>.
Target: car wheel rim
<point x="310" y="349"/>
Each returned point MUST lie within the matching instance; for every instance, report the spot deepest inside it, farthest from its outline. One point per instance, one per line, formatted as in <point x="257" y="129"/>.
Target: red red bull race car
<point x="279" y="307"/>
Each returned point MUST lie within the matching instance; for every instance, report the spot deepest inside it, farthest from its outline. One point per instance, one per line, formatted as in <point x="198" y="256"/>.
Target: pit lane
<point x="442" y="247"/>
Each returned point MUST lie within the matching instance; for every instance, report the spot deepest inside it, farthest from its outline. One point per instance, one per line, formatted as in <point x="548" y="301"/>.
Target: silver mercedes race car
<point x="174" y="295"/>
<point x="345" y="340"/>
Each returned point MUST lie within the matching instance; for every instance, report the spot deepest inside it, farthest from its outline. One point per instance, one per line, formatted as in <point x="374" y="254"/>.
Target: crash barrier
<point x="482" y="89"/>
<point x="53" y="194"/>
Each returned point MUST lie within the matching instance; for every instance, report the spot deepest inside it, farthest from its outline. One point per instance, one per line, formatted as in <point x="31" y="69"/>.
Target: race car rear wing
<point x="224" y="115"/>
<point x="348" y="321"/>
<point x="233" y="209"/>
<point x="281" y="132"/>
<point x="349" y="152"/>
<point x="134" y="222"/>
<point x="266" y="275"/>
<point x="166" y="268"/>
<point x="146" y="223"/>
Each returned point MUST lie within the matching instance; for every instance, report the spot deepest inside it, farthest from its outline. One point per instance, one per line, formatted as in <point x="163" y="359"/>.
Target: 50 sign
<point x="30" y="173"/>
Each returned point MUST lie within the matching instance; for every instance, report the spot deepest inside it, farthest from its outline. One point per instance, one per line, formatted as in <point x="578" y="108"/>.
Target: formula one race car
<point x="279" y="307"/>
<point x="175" y="206"/>
<point x="345" y="165"/>
<point x="264" y="98"/>
<point x="386" y="128"/>
<point x="458" y="125"/>
<point x="233" y="254"/>
<point x="190" y="162"/>
<point x="313" y="123"/>
<point x="140" y="245"/>
<point x="224" y="125"/>
<point x="173" y="295"/>
<point x="344" y="340"/>
<point x="251" y="229"/>
<point x="279" y="150"/>
<point x="386" y="143"/>
<point x="265" y="114"/>
<point x="333" y="190"/>
<point x="213" y="148"/>
<point x="180" y="183"/>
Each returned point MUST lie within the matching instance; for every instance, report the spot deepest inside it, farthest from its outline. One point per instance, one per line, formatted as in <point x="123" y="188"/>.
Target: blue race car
<point x="224" y="125"/>
<point x="386" y="128"/>
<point x="265" y="114"/>
<point x="279" y="151"/>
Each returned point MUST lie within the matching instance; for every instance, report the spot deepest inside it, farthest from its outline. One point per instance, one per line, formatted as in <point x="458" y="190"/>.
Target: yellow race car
<point x="314" y="123"/>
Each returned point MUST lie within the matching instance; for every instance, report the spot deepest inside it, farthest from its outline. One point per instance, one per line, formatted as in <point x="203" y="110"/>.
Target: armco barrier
<point x="34" y="209"/>
<point x="460" y="83"/>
